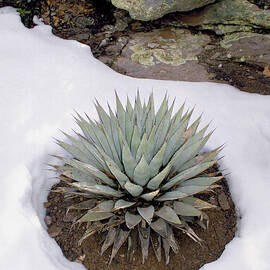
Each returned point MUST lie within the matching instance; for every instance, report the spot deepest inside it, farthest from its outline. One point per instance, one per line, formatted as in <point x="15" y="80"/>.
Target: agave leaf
<point x="142" y="172"/>
<point x="129" y="109"/>
<point x="142" y="147"/>
<point x="79" y="176"/>
<point x="81" y="185"/>
<point x="132" y="220"/>
<point x="99" y="132"/>
<point x="132" y="245"/>
<point x="121" y="204"/>
<point x="115" y="170"/>
<point x="103" y="190"/>
<point x="75" y="152"/>
<point x="113" y="222"/>
<point x="149" y="122"/>
<point x="189" y="152"/>
<point x="139" y="113"/>
<point x="87" y="129"/>
<point x="160" y="227"/>
<point x="156" y="162"/>
<point x="177" y="121"/>
<point x="197" y="203"/>
<point x="129" y="128"/>
<point x="120" y="114"/>
<point x="83" y="205"/>
<point x="162" y="130"/>
<point x="189" y="173"/>
<point x="72" y="191"/>
<point x="201" y="181"/>
<point x="114" y="129"/>
<point x="168" y="214"/>
<point x="93" y="152"/>
<point x="128" y="161"/>
<point x="177" y="118"/>
<point x="192" y="129"/>
<point x="183" y="191"/>
<point x="95" y="227"/>
<point x="147" y="213"/>
<point x="150" y="147"/>
<point x="109" y="240"/>
<point x="150" y="196"/>
<point x="87" y="168"/>
<point x="161" y="111"/>
<point x="185" y="209"/>
<point x="204" y="157"/>
<point x="144" y="118"/>
<point x="135" y="141"/>
<point x="104" y="118"/>
<point x="94" y="216"/>
<point x="191" y="233"/>
<point x="172" y="241"/>
<point x="122" y="139"/>
<point x="197" y="137"/>
<point x="156" y="244"/>
<point x="144" y="235"/>
<point x="105" y="206"/>
<point x="134" y="190"/>
<point x="171" y="195"/>
<point x="113" y="150"/>
<point x="120" y="239"/>
<point x="175" y="142"/>
<point x="157" y="180"/>
<point x="166" y="248"/>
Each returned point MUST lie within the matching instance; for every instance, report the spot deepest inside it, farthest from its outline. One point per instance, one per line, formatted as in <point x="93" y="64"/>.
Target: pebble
<point x="223" y="201"/>
<point x="54" y="230"/>
<point x="47" y="204"/>
<point x="48" y="220"/>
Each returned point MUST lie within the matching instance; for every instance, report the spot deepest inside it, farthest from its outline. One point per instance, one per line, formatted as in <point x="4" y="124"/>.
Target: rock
<point x="147" y="10"/>
<point x="248" y="47"/>
<point x="266" y="71"/>
<point x="54" y="230"/>
<point x="168" y="53"/>
<point x="223" y="201"/>
<point x="228" y="16"/>
<point x="48" y="220"/>
<point x="47" y="204"/>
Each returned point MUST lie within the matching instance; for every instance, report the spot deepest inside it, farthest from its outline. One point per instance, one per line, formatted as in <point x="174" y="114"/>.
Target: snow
<point x="43" y="78"/>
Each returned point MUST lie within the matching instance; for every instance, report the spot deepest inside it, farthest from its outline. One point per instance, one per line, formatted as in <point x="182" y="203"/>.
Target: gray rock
<point x="228" y="16"/>
<point x="223" y="201"/>
<point x="147" y="10"/>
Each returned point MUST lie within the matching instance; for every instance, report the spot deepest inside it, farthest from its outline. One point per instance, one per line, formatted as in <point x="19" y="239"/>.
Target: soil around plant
<point x="191" y="256"/>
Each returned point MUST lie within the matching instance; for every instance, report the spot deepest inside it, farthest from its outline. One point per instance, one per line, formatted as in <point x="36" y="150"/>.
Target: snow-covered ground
<point x="43" y="78"/>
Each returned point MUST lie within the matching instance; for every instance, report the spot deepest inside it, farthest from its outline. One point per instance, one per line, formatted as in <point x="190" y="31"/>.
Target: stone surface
<point x="248" y="47"/>
<point x="228" y="16"/>
<point x="223" y="201"/>
<point x="147" y="10"/>
<point x="54" y="230"/>
<point x="168" y="53"/>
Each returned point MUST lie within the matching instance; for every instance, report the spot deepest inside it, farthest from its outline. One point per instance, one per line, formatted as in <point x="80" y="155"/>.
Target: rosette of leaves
<point x="139" y="172"/>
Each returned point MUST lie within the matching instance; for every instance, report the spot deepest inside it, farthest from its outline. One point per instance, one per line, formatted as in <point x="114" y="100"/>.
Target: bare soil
<point x="191" y="256"/>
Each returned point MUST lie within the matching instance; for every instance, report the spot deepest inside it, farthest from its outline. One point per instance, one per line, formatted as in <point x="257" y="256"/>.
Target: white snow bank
<point x="43" y="78"/>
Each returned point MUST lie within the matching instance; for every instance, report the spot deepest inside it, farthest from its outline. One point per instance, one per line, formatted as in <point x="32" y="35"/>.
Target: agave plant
<point x="139" y="171"/>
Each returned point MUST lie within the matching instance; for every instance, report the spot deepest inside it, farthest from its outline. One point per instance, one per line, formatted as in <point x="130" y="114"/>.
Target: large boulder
<point x="147" y="10"/>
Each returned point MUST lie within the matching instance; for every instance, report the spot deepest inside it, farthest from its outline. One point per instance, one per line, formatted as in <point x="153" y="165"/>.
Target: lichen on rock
<point x="170" y="46"/>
